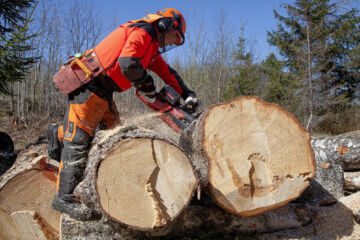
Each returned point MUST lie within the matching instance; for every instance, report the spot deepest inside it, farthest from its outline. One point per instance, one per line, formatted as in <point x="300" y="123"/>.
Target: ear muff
<point x="165" y="24"/>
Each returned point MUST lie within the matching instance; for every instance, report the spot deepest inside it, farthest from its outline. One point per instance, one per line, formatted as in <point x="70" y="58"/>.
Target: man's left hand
<point x="191" y="104"/>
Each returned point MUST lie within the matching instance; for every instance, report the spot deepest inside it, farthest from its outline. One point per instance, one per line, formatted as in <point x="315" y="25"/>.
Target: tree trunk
<point x="137" y="178"/>
<point x="259" y="156"/>
<point x="26" y="193"/>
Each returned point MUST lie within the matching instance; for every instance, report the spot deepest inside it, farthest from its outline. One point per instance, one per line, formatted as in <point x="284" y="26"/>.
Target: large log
<point x="343" y="148"/>
<point x="334" y="156"/>
<point x="197" y="222"/>
<point x="136" y="178"/>
<point x="259" y="156"/>
<point x="26" y="192"/>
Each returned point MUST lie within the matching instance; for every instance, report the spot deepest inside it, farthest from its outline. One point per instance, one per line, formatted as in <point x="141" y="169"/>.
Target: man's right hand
<point x="148" y="87"/>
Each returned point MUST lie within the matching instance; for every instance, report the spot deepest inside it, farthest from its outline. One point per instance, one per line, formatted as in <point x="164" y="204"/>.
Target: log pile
<point x="235" y="171"/>
<point x="27" y="190"/>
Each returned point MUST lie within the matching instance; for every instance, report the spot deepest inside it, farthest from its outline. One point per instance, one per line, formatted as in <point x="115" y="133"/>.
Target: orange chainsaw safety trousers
<point x="85" y="111"/>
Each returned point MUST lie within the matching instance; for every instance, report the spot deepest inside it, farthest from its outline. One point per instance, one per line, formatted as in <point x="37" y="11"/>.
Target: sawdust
<point x="152" y="121"/>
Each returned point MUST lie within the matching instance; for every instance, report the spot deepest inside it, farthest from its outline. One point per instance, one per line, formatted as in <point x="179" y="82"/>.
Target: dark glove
<point x="191" y="104"/>
<point x="148" y="87"/>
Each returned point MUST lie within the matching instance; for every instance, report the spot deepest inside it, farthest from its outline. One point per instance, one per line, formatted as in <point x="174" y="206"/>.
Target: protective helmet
<point x="167" y="20"/>
<point x="174" y="20"/>
<point x="171" y="20"/>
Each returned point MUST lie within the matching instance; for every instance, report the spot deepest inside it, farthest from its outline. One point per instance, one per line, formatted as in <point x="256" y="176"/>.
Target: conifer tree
<point x="280" y="87"/>
<point x="246" y="80"/>
<point x="316" y="42"/>
<point x="14" y="45"/>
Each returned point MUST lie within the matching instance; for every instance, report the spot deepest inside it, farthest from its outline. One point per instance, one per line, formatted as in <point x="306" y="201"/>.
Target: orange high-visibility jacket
<point x="132" y="49"/>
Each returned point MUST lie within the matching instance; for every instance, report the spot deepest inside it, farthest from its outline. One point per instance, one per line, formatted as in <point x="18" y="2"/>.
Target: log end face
<point x="138" y="183"/>
<point x="260" y="157"/>
<point x="251" y="201"/>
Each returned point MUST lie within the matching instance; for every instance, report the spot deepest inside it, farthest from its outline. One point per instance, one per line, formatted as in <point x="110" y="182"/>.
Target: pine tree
<point x="14" y="46"/>
<point x="312" y="40"/>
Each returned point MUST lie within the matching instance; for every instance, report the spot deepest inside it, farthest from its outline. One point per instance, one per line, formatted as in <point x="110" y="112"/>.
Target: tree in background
<point x="280" y="87"/>
<point x="347" y="53"/>
<point x="14" y="45"/>
<point x="246" y="79"/>
<point x="316" y="42"/>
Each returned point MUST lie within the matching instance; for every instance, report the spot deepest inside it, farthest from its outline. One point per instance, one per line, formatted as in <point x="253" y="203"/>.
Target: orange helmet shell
<point x="173" y="13"/>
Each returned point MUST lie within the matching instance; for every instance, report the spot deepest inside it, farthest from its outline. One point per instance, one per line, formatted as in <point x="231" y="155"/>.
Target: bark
<point x="26" y="193"/>
<point x="138" y="179"/>
<point x="199" y="221"/>
<point x="352" y="181"/>
<point x="352" y="202"/>
<point x="343" y="148"/>
<point x="329" y="172"/>
<point x="259" y="156"/>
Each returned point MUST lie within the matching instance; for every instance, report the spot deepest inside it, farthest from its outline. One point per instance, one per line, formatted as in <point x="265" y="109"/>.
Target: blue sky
<point x="257" y="15"/>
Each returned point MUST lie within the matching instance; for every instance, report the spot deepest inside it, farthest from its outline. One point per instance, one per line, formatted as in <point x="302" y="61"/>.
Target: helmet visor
<point x="180" y="40"/>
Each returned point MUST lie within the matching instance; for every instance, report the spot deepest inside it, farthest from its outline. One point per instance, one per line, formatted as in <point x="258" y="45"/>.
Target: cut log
<point x="329" y="172"/>
<point x="343" y="148"/>
<point x="7" y="226"/>
<point x="259" y="156"/>
<point x="30" y="186"/>
<point x="137" y="178"/>
<point x="31" y="226"/>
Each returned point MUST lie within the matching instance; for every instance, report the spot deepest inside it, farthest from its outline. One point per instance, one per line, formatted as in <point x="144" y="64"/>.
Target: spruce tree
<point x="14" y="43"/>
<point x="246" y="80"/>
<point x="313" y="41"/>
<point x="280" y="87"/>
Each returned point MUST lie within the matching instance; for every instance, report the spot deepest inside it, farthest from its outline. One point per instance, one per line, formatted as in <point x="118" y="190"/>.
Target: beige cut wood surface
<point x="8" y="229"/>
<point x="32" y="190"/>
<point x="145" y="183"/>
<point x="260" y="156"/>
<point x="31" y="226"/>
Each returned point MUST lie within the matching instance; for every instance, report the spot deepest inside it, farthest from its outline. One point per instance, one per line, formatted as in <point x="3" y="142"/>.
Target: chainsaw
<point x="167" y="103"/>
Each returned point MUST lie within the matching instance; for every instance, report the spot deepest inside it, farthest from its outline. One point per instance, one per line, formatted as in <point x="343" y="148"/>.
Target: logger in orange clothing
<point x="125" y="55"/>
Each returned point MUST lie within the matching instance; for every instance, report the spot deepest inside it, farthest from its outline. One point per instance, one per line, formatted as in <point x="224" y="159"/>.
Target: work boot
<point x="54" y="145"/>
<point x="67" y="204"/>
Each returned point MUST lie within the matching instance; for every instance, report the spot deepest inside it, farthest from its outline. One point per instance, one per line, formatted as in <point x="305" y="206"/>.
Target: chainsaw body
<point x="167" y="103"/>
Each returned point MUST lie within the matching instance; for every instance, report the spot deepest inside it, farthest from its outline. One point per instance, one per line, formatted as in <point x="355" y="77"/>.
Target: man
<point x="125" y="54"/>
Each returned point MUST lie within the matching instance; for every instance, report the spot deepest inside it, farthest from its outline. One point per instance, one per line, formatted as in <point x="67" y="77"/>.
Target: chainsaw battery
<point x="78" y="72"/>
<point x="169" y="95"/>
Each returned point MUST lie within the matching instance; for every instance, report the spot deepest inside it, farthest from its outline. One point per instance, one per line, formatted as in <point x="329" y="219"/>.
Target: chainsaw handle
<point x="78" y="62"/>
<point x="185" y="104"/>
<point x="182" y="106"/>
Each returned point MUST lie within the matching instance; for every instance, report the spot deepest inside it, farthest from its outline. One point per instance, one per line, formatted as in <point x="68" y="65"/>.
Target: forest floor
<point x="22" y="134"/>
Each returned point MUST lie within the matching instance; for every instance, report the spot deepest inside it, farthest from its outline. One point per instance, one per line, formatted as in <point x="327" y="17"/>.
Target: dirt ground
<point x="23" y="134"/>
